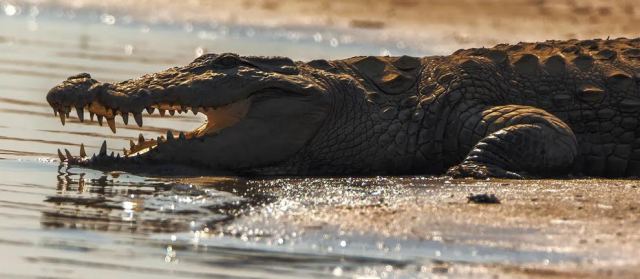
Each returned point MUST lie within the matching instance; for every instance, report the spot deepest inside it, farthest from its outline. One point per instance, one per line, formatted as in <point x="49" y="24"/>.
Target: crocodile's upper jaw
<point x="244" y="105"/>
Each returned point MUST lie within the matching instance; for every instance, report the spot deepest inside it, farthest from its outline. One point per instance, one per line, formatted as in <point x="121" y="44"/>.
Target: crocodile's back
<point x="593" y="86"/>
<point x="561" y="74"/>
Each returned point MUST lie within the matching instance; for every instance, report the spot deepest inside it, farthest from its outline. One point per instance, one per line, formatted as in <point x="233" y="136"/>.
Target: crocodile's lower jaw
<point x="217" y="119"/>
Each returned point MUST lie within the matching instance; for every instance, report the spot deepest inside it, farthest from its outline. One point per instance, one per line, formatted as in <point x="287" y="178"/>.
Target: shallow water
<point x="78" y="223"/>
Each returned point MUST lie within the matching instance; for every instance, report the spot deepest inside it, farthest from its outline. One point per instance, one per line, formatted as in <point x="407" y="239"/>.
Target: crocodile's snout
<point x="77" y="91"/>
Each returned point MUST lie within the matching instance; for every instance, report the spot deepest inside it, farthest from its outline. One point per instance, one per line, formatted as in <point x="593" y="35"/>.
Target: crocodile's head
<point x="260" y="112"/>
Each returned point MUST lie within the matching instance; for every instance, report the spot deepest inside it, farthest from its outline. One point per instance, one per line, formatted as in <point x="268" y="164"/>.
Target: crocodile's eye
<point x="228" y="61"/>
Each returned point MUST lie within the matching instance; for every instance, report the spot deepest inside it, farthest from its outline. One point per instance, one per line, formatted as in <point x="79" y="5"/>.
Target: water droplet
<point x="343" y="243"/>
<point x="337" y="271"/>
<point x="170" y="256"/>
<point x="317" y="37"/>
<point x="10" y="10"/>
<point x="334" y="42"/>
<point x="108" y="19"/>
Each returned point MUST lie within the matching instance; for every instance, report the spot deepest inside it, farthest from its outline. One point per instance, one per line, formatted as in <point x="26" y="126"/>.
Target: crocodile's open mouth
<point x="217" y="119"/>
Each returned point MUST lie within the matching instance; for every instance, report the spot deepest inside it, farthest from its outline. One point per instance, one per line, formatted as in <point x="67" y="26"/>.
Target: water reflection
<point x="121" y="202"/>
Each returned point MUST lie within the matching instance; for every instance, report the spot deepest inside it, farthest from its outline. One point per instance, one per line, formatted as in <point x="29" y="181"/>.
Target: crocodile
<point x="553" y="108"/>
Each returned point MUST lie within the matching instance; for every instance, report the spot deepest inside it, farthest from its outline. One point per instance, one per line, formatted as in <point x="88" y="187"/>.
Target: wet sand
<point x="595" y="220"/>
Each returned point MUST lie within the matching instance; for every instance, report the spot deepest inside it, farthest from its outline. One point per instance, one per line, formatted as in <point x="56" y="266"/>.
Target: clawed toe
<point x="467" y="170"/>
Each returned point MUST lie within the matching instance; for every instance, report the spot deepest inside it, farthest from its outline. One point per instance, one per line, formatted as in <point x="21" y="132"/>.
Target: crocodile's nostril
<point x="80" y="75"/>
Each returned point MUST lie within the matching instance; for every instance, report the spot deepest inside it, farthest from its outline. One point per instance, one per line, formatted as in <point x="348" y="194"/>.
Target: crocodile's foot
<point x="470" y="170"/>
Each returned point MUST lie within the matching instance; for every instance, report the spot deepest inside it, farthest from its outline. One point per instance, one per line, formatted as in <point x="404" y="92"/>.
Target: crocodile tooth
<point x="125" y="152"/>
<point x="118" y="156"/>
<point x="112" y="124"/>
<point x="100" y="117"/>
<point x="62" y="158"/>
<point x="83" y="153"/>
<point x="66" y="152"/>
<point x="103" y="148"/>
<point x="91" y="116"/>
<point x="112" y="154"/>
<point x="150" y="110"/>
<point x="67" y="111"/>
<point x="181" y="136"/>
<point x="138" y="117"/>
<point x="162" y="112"/>
<point x="132" y="144"/>
<point x="172" y="112"/>
<point x="125" y="117"/>
<point x="140" y="139"/>
<point x="62" y="118"/>
<point x="80" y="112"/>
<point x="169" y="135"/>
<point x="195" y="110"/>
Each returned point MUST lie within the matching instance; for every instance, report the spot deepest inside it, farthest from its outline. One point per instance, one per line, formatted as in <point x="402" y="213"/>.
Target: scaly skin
<point x="531" y="109"/>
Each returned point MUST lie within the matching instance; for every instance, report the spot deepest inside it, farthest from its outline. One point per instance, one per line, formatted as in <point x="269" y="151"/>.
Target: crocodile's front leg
<point x="516" y="140"/>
